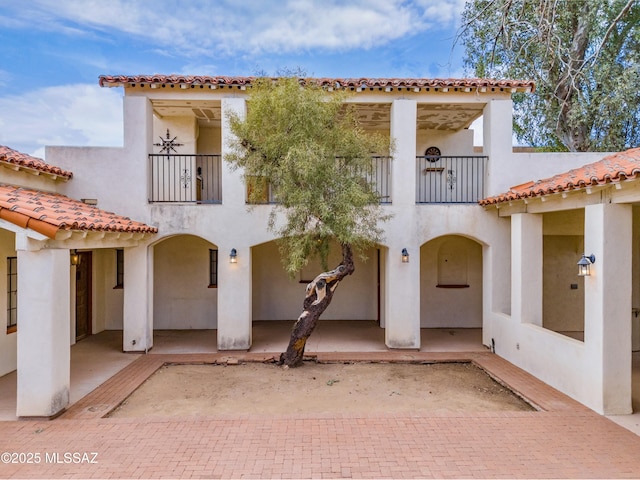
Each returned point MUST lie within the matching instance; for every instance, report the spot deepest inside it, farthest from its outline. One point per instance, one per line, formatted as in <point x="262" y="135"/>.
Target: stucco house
<point x="480" y="253"/>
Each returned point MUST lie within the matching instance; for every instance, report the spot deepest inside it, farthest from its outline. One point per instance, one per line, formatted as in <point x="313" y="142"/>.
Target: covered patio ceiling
<point x="373" y="116"/>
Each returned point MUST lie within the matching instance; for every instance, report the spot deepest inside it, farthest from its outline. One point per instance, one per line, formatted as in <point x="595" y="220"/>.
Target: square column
<point x="607" y="322"/>
<point x="43" y="332"/>
<point x="402" y="298"/>
<point x="526" y="268"/>
<point x="133" y="175"/>
<point x="137" y="335"/>
<point x="497" y="124"/>
<point x="234" y="299"/>
<point x="403" y="130"/>
<point x="233" y="189"/>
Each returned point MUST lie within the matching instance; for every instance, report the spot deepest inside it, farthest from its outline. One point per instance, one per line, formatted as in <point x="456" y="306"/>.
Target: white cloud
<point x="278" y="26"/>
<point x="448" y="12"/>
<point x="64" y="115"/>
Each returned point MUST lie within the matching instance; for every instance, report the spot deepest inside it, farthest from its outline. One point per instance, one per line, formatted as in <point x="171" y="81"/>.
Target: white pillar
<point x="233" y="189"/>
<point x="497" y="133"/>
<point x="526" y="268"/>
<point x="402" y="297"/>
<point x="607" y="329"/>
<point x="403" y="132"/>
<point x="402" y="280"/>
<point x="43" y="332"/>
<point x="138" y="143"/>
<point x="137" y="335"/>
<point x="234" y="299"/>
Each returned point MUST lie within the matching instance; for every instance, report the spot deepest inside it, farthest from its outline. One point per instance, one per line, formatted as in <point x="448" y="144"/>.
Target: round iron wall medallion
<point x="433" y="153"/>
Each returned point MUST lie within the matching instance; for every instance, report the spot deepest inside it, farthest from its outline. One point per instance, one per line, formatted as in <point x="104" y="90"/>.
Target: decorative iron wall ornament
<point x="451" y="179"/>
<point x="168" y="144"/>
<point x="185" y="178"/>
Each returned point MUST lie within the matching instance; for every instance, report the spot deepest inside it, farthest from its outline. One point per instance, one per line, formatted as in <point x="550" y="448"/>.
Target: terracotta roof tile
<point x="613" y="168"/>
<point x="47" y="213"/>
<point x="350" y="83"/>
<point x="9" y="155"/>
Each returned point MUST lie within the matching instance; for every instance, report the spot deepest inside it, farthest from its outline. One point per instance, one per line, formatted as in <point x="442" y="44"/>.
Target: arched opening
<point x="351" y="323"/>
<point x="451" y="294"/>
<point x="185" y="297"/>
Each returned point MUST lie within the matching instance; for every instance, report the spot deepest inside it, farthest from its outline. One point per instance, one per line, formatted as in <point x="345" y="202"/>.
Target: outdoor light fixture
<point x="233" y="256"/>
<point x="75" y="258"/>
<point x="405" y="256"/>
<point x="584" y="265"/>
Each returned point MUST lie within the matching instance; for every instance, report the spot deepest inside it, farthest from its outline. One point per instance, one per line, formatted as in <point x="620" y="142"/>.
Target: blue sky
<point x="52" y="52"/>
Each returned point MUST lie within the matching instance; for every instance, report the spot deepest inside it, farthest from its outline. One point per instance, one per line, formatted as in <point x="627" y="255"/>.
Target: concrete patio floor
<point x="563" y="440"/>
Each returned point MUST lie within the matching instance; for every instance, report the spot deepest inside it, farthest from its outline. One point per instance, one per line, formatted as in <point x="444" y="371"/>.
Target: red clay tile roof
<point x="611" y="169"/>
<point x="47" y="213"/>
<point x="349" y="83"/>
<point x="9" y="155"/>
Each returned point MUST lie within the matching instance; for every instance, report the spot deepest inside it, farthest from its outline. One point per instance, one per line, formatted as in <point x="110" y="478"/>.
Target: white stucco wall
<point x="107" y="299"/>
<point x="450" y="143"/>
<point x="183" y="129"/>
<point x="517" y="168"/>
<point x="182" y="296"/>
<point x="451" y="283"/>
<point x="563" y="306"/>
<point x="209" y="140"/>
<point x="43" y="376"/>
<point x="277" y="297"/>
<point x="105" y="174"/>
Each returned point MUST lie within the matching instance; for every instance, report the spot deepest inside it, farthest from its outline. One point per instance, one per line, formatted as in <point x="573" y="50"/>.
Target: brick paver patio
<point x="562" y="440"/>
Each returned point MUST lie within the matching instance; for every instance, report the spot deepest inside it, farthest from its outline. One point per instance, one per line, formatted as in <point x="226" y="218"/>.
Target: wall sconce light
<point x="74" y="257"/>
<point x="405" y="256"/>
<point x="233" y="256"/>
<point x="584" y="265"/>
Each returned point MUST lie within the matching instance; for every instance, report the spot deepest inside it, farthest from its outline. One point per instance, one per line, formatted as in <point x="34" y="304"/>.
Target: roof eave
<point x="463" y="85"/>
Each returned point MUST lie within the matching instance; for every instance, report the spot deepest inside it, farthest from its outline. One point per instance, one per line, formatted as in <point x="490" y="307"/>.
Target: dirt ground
<point x="257" y="388"/>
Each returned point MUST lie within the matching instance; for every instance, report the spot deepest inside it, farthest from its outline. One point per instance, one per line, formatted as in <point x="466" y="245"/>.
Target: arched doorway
<point x="451" y="293"/>
<point x="350" y="323"/>
<point x="185" y="296"/>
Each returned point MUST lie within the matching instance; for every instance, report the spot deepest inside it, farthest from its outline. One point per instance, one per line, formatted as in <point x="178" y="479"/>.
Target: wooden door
<point x="83" y="296"/>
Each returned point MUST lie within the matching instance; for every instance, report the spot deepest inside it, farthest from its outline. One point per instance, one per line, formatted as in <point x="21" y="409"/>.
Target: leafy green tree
<point x="584" y="56"/>
<point x="305" y="145"/>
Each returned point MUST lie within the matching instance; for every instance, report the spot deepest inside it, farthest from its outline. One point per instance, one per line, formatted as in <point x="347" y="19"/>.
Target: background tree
<point x="307" y="147"/>
<point x="584" y="56"/>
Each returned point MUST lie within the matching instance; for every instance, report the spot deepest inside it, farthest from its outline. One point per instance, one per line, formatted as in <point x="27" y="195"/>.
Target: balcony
<point x="450" y="179"/>
<point x="378" y="175"/>
<point x="185" y="178"/>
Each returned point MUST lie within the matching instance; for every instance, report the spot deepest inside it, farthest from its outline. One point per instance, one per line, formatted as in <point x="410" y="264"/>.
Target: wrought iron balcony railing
<point x="450" y="179"/>
<point x="378" y="175"/>
<point x="185" y="178"/>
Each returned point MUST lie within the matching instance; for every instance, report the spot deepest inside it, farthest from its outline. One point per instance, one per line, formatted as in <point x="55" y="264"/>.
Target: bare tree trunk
<point x="318" y="297"/>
